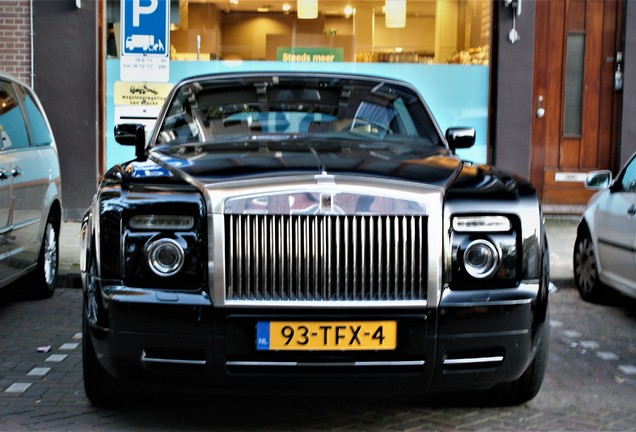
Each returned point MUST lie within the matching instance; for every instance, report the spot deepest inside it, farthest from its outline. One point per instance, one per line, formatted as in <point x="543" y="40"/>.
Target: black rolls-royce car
<point x="286" y="228"/>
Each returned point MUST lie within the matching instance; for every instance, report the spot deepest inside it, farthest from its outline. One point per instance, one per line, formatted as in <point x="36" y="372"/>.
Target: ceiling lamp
<point x="307" y="9"/>
<point x="395" y="13"/>
<point x="286" y="7"/>
<point x="349" y="10"/>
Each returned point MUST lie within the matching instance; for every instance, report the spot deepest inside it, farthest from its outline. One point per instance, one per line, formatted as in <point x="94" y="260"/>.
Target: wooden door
<point x="575" y="127"/>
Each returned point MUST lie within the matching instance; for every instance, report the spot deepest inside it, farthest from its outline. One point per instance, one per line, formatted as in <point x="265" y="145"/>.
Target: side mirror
<point x="598" y="180"/>
<point x="460" y="137"/>
<point x="131" y="134"/>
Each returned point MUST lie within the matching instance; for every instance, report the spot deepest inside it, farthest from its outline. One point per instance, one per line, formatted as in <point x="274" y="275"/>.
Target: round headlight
<point x="165" y="257"/>
<point x="481" y="259"/>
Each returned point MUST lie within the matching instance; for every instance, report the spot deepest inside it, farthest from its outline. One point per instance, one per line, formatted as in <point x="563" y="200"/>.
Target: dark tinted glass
<point x="322" y="107"/>
<point x="38" y="129"/>
<point x="13" y="132"/>
<point x="629" y="178"/>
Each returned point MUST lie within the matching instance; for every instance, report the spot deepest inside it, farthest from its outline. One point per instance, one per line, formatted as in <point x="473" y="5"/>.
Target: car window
<point x="628" y="181"/>
<point x="38" y="129"/>
<point x="13" y="131"/>
<point x="335" y="108"/>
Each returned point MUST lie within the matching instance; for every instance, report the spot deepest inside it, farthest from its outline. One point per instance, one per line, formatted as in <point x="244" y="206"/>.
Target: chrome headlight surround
<point x="484" y="251"/>
<point x="165" y="257"/>
<point x="177" y="213"/>
<point x="481" y="259"/>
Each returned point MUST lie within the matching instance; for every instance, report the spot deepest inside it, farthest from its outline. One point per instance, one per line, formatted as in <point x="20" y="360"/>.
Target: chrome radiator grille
<point x="325" y="258"/>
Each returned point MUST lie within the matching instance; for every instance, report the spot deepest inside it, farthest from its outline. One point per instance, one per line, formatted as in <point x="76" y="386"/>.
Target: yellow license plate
<point x="326" y="335"/>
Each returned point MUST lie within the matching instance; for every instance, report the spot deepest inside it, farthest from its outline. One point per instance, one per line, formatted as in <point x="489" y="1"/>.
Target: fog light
<point x="165" y="257"/>
<point x="481" y="259"/>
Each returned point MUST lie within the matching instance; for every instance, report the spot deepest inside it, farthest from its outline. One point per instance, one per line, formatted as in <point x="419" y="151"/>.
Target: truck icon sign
<point x="145" y="42"/>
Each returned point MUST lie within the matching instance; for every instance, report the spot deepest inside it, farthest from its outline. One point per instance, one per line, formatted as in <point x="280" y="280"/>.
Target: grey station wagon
<point x="30" y="191"/>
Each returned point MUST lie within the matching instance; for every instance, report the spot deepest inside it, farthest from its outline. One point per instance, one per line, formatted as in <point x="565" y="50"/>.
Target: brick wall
<point x="15" y="39"/>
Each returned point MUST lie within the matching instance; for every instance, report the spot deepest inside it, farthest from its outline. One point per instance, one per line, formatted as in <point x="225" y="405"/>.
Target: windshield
<point x="270" y="108"/>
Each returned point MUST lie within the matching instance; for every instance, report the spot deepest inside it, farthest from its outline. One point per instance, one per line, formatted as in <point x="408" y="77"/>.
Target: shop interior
<point x="386" y="31"/>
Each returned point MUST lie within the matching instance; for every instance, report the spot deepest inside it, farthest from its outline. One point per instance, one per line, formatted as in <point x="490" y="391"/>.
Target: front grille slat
<point x="421" y="268"/>
<point x="325" y="258"/>
<point x="413" y="264"/>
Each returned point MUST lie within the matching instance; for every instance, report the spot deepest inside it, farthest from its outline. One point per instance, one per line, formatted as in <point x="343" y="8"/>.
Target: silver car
<point x="605" y="247"/>
<point x="30" y="190"/>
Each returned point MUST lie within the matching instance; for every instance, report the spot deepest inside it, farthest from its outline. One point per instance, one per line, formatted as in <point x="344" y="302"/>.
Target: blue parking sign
<point x="145" y="28"/>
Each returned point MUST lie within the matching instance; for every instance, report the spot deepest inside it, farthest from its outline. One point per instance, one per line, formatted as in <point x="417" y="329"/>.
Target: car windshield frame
<point x="280" y="107"/>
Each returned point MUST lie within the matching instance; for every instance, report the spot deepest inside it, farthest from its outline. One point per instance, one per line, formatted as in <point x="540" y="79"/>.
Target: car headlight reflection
<point x="481" y="259"/>
<point x="165" y="257"/>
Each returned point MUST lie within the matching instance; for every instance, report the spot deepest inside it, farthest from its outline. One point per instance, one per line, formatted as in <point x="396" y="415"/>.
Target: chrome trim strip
<point x="25" y="224"/>
<point x="145" y="359"/>
<point x="490" y="303"/>
<point x="328" y="303"/>
<point x="323" y="364"/>
<point x="475" y="360"/>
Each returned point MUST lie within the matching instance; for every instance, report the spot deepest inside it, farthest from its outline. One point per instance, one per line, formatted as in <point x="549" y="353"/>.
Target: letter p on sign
<point x="147" y="9"/>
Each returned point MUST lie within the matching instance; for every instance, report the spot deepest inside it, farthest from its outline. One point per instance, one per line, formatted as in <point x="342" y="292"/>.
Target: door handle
<point x="15" y="172"/>
<point x="632" y="210"/>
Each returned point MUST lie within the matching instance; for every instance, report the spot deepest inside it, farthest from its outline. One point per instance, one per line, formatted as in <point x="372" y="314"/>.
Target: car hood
<point x="217" y="163"/>
<point x="220" y="162"/>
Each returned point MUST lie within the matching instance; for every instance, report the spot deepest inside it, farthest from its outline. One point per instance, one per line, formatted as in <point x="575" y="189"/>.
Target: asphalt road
<point x="590" y="382"/>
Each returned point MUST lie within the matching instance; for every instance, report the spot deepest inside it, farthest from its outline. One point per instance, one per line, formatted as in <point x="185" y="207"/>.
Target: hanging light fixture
<point x="307" y="9"/>
<point x="395" y="13"/>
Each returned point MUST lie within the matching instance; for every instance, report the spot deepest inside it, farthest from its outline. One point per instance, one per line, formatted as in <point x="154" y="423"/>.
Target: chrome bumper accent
<point x="325" y="364"/>
<point x="472" y="361"/>
<point x="156" y="360"/>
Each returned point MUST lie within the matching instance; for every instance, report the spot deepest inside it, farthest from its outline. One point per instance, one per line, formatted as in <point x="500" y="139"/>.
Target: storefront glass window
<point x="440" y="46"/>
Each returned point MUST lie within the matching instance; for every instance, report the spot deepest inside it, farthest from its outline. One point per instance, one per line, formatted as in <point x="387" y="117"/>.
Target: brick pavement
<point x="581" y="391"/>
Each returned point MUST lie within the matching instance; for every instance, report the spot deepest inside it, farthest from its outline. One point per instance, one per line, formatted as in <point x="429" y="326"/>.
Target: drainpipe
<point x="32" y="47"/>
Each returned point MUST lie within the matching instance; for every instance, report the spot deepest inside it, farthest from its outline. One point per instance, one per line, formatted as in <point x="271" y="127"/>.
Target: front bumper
<point x="472" y="340"/>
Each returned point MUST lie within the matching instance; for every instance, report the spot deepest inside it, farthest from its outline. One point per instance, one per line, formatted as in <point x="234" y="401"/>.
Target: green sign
<point x="309" y="55"/>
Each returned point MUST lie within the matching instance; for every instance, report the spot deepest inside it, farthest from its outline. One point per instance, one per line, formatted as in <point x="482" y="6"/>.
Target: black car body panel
<point x="324" y="233"/>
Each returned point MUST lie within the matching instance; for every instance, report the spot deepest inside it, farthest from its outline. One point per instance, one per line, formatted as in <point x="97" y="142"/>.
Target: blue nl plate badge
<point x="262" y="336"/>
